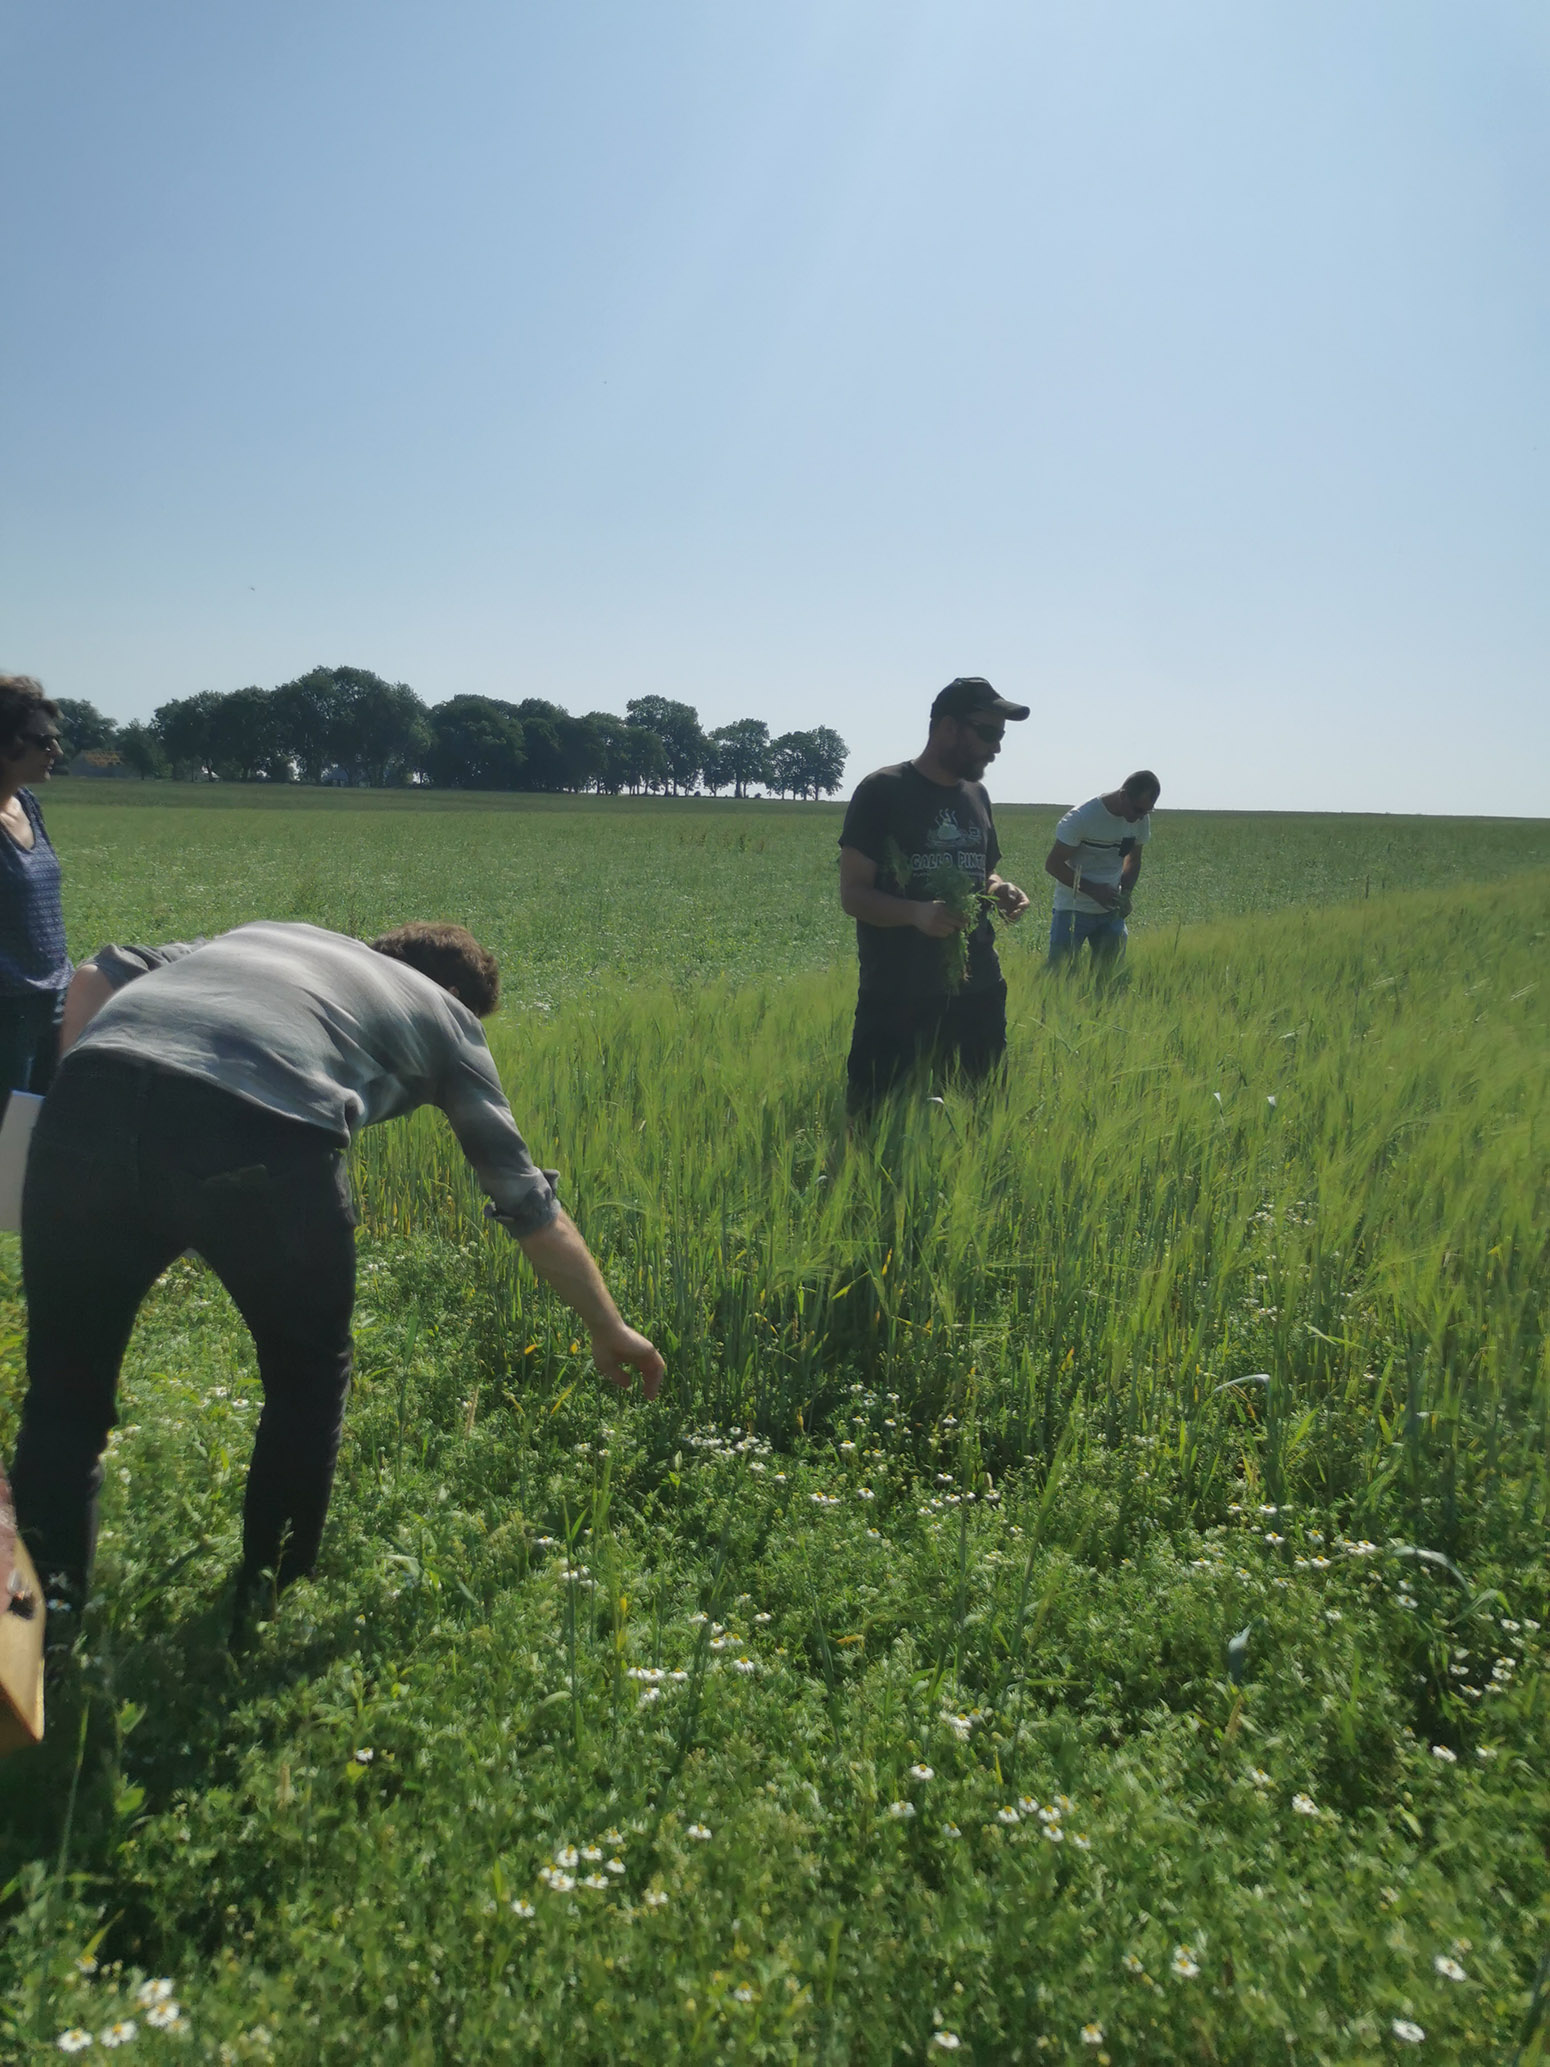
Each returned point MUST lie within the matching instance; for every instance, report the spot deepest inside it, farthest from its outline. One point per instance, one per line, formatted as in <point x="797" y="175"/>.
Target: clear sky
<point x="1183" y="367"/>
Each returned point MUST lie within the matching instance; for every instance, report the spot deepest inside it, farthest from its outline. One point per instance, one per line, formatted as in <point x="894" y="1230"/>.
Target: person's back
<point x="205" y="1103"/>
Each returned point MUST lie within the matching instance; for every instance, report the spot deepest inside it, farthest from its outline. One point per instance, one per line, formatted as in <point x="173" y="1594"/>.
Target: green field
<point x="1008" y="1634"/>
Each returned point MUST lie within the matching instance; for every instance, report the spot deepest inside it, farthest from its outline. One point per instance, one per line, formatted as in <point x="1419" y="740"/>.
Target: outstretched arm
<point x="564" y="1262"/>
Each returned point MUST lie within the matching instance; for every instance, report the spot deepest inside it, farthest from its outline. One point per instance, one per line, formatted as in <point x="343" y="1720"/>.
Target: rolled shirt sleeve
<point x="521" y="1196"/>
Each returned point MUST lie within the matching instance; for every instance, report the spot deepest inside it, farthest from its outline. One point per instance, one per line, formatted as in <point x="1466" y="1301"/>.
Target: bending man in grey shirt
<point x="206" y="1102"/>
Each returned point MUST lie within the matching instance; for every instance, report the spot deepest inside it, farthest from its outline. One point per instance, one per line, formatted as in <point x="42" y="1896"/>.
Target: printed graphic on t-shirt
<point x="948" y="845"/>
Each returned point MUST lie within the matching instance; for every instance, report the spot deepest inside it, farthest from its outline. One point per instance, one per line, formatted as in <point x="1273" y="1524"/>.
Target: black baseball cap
<point x="971" y="696"/>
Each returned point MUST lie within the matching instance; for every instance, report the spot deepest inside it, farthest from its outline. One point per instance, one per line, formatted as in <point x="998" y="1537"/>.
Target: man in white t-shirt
<point x="1096" y="861"/>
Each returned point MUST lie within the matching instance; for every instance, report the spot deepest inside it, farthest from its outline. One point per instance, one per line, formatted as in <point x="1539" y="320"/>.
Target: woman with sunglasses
<point x="34" y="967"/>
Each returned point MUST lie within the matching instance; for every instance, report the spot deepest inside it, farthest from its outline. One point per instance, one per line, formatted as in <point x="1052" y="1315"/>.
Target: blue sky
<point x="1184" y="368"/>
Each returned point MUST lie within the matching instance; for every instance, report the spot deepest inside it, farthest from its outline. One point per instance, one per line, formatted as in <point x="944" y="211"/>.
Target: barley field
<point x="1081" y="1594"/>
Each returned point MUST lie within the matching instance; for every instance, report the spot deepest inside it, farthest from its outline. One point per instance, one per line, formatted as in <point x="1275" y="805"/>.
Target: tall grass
<point x="1084" y="1574"/>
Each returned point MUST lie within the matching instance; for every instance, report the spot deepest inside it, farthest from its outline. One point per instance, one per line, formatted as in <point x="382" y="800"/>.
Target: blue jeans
<point x="1071" y="931"/>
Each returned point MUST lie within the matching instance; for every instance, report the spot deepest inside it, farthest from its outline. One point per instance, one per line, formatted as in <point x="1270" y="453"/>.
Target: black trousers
<point x="964" y="1035"/>
<point x="129" y="1167"/>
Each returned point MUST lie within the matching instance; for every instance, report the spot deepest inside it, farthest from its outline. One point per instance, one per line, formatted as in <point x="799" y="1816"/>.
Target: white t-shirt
<point x="1101" y="841"/>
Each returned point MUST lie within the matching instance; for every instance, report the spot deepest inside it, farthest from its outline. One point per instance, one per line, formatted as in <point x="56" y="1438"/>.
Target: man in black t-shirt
<point x="922" y="998"/>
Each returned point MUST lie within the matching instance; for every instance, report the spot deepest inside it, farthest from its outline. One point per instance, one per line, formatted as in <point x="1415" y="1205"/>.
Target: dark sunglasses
<point x="991" y="734"/>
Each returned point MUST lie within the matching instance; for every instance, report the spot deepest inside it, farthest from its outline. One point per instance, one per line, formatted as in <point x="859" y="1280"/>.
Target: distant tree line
<point x="345" y="724"/>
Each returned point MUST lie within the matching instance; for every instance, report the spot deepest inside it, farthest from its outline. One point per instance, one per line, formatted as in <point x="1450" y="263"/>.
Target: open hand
<point x="620" y="1352"/>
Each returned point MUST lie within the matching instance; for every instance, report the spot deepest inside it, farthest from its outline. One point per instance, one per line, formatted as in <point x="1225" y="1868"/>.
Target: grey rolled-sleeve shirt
<point x="320" y="1028"/>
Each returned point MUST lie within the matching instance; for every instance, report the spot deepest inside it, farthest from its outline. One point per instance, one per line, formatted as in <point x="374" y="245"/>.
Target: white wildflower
<point x="1449" y="1969"/>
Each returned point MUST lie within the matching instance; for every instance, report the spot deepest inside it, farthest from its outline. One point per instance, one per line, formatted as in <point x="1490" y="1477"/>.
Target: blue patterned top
<point x="32" y="920"/>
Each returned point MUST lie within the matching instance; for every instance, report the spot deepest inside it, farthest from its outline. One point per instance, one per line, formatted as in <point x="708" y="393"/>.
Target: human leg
<point x="92" y="1246"/>
<point x="280" y="1235"/>
<point x="1108" y="938"/>
<point x="974" y="1033"/>
<point x="891" y="1040"/>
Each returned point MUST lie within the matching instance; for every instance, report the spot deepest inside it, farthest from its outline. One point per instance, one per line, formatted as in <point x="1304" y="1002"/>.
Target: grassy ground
<point x="1008" y="1634"/>
<point x="577" y="894"/>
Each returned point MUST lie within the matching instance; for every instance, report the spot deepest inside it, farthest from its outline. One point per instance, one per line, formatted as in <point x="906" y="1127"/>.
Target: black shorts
<point x="895" y="1038"/>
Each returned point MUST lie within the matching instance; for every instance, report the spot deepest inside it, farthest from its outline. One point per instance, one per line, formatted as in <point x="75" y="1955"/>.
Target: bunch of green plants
<point x="1081" y="1591"/>
<point x="964" y="898"/>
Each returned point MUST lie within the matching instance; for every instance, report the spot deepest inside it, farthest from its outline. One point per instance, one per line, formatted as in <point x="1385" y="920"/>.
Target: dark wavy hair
<point x="450" y="956"/>
<point x="21" y="699"/>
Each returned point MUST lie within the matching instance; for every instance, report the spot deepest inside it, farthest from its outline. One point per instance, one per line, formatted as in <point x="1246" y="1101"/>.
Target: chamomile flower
<point x="951" y="1830"/>
<point x="1305" y="1805"/>
<point x="1082" y="1842"/>
<point x="744" y="1666"/>
<point x="743" y="1994"/>
<point x="699" y="1832"/>
<point x="596" y="1880"/>
<point x="591" y="1852"/>
<point x="566" y="1856"/>
<point x="1132" y="1965"/>
<point x="1054" y="1833"/>
<point x="1406" y="2032"/>
<point x="1448" y="1756"/>
<point x="75" y="2040"/>
<point x="1008" y="1815"/>
<point x="615" y="1867"/>
<point x="1184" y="1963"/>
<point x="1259" y="1776"/>
<point x="656" y="1898"/>
<point x="1449" y="1969"/>
<point x="946" y="2041"/>
<point x="1092" y="2034"/>
<point x="118" y="2034"/>
<point x="150" y="1992"/>
<point x="922" y="1772"/>
<point x="523" y="1909"/>
<point x="364" y="1755"/>
<point x="901" y="1811"/>
<point x="163" y="2016"/>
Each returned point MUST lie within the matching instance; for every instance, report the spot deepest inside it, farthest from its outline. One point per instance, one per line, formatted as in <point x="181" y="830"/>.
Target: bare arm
<point x="861" y="899"/>
<point x="89" y="991"/>
<point x="564" y="1262"/>
<point x="1059" y="863"/>
<point x="1129" y="872"/>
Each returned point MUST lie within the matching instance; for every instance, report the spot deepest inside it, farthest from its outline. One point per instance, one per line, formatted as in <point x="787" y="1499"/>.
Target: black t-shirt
<point x="935" y="827"/>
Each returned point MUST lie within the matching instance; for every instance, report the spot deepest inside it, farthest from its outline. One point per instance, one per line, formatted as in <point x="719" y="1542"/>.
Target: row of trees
<point x="347" y="724"/>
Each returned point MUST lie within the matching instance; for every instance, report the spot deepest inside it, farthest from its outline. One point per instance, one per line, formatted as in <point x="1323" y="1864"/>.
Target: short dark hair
<point x="21" y="699"/>
<point x="1142" y="784"/>
<point x="448" y="955"/>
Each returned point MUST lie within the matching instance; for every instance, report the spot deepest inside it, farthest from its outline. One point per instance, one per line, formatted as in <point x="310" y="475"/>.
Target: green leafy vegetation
<point x="1081" y="1592"/>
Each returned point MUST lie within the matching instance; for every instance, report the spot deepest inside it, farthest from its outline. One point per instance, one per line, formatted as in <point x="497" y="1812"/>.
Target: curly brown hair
<point x="448" y="955"/>
<point x="21" y="700"/>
